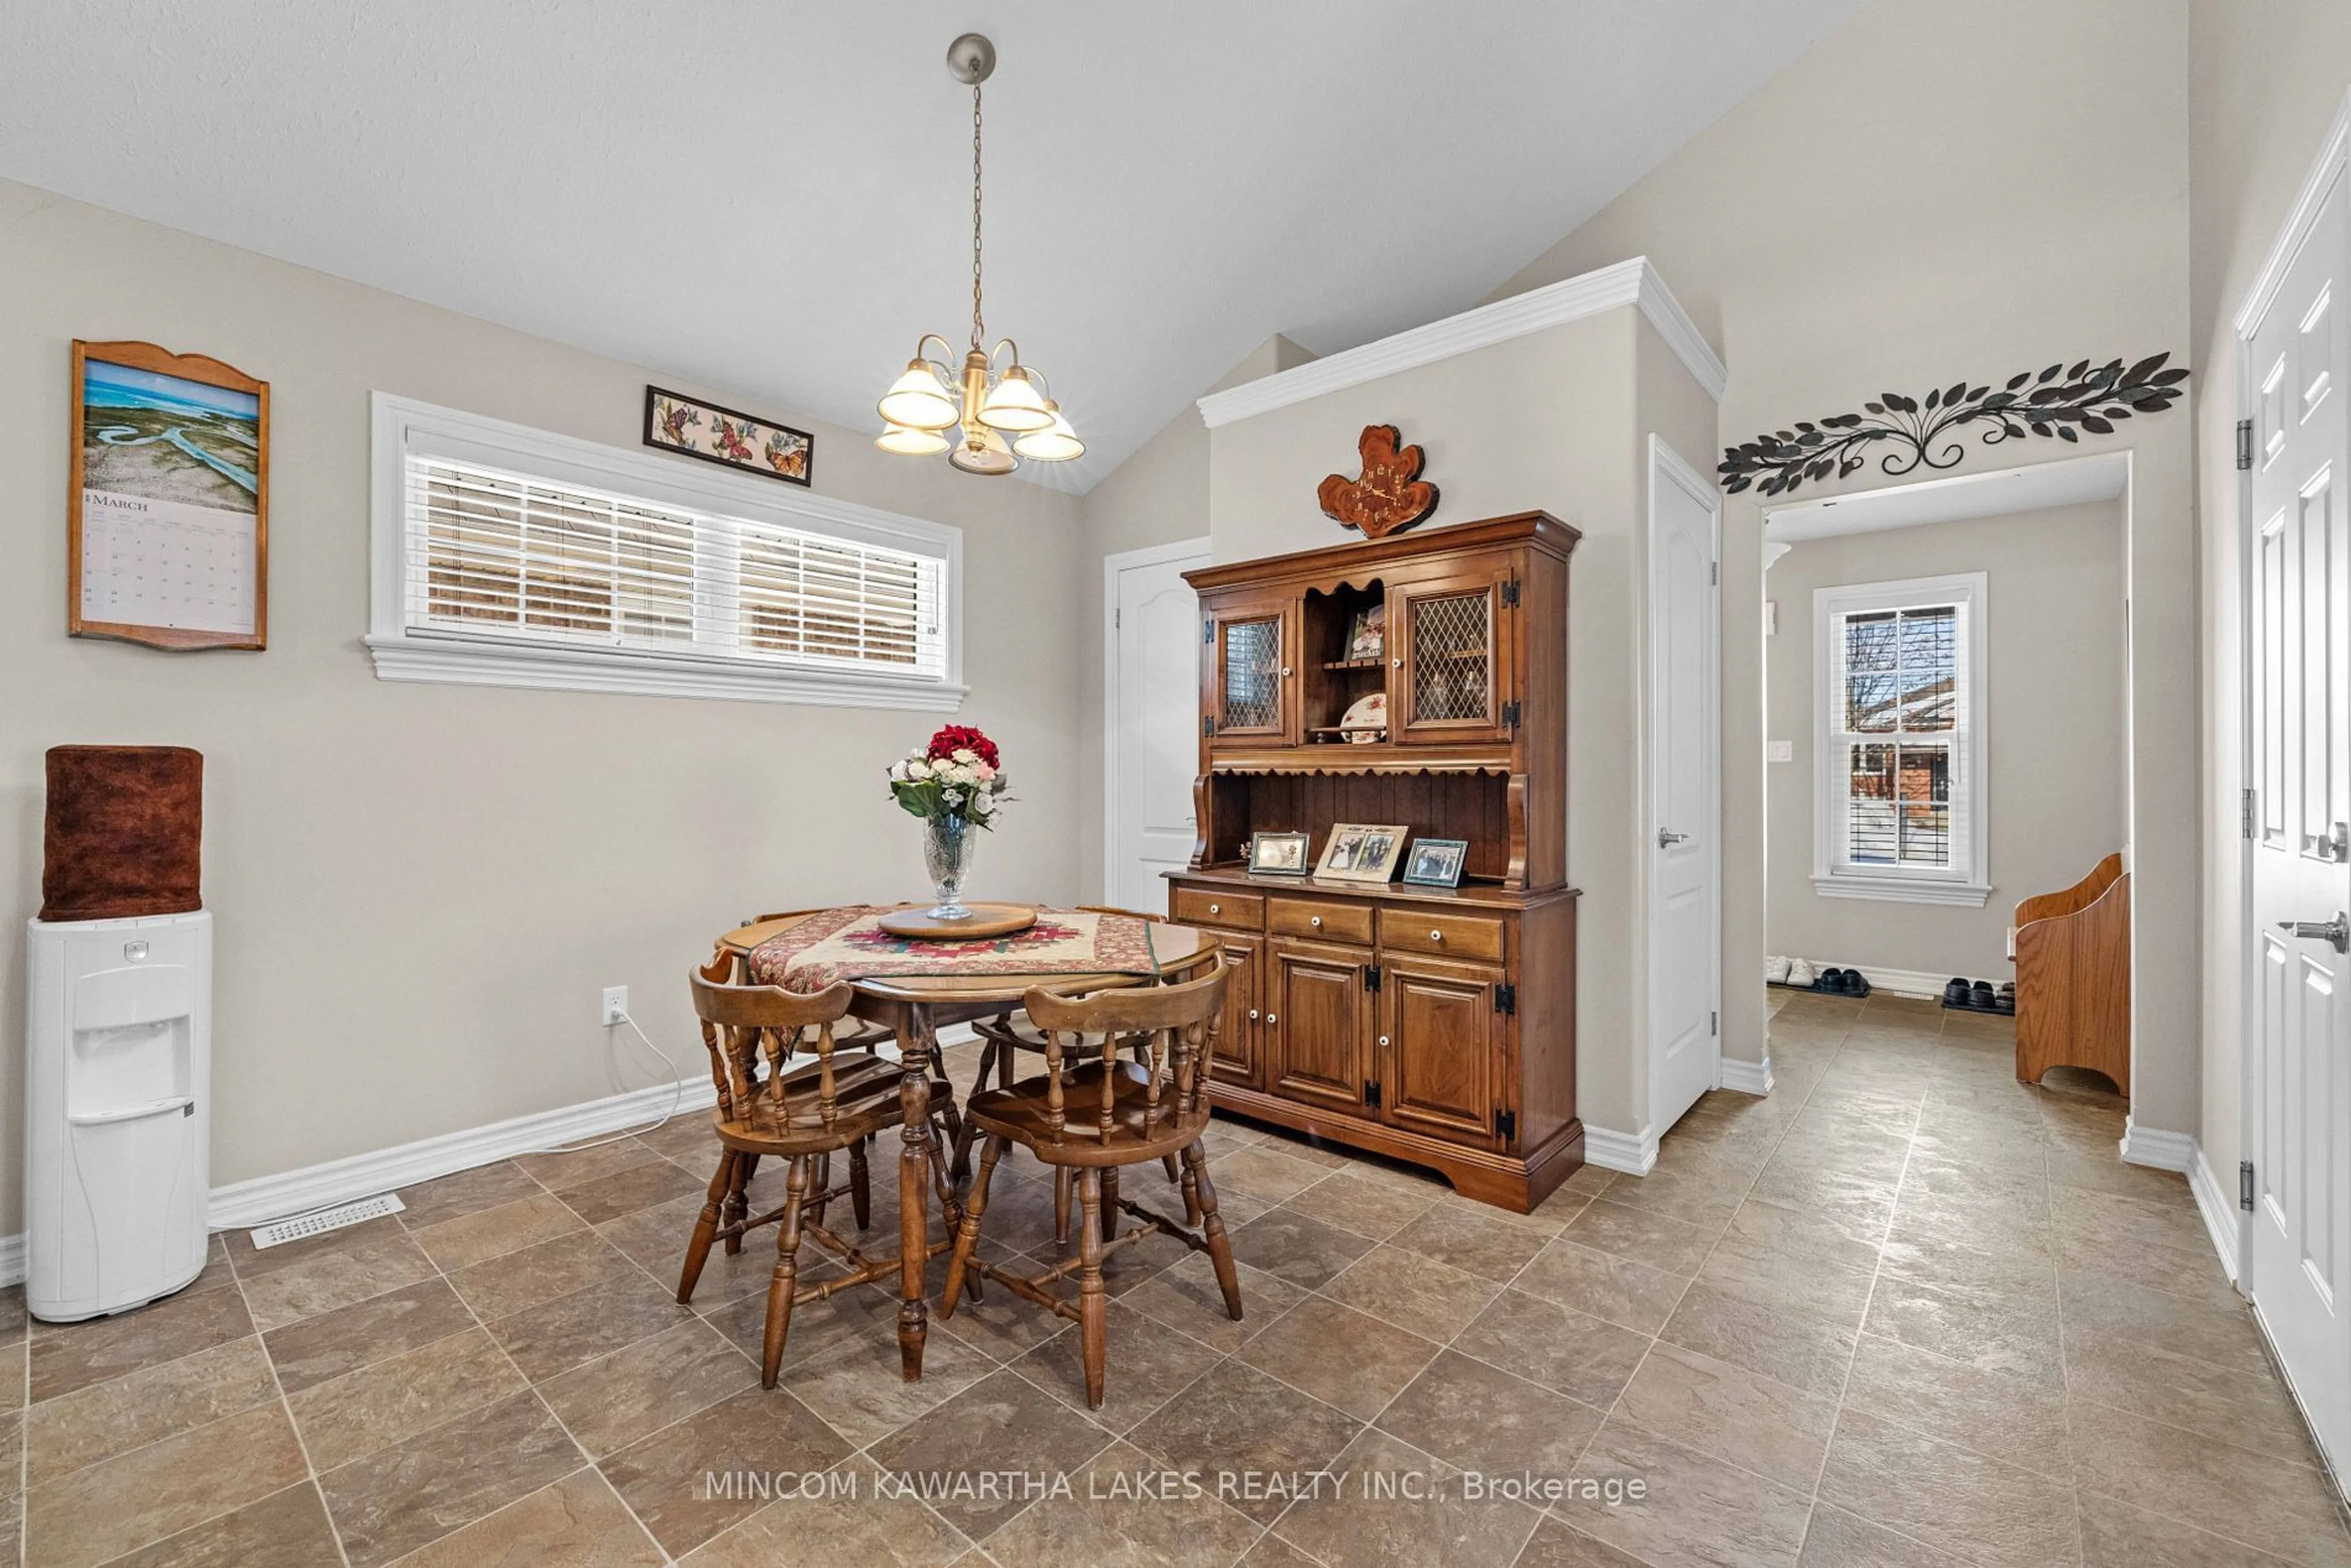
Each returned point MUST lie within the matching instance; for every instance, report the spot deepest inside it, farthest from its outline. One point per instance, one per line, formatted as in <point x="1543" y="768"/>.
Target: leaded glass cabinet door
<point x="1449" y="676"/>
<point x="1254" y="675"/>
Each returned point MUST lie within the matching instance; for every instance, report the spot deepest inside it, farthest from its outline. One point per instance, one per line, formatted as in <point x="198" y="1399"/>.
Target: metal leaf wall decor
<point x="2057" y="402"/>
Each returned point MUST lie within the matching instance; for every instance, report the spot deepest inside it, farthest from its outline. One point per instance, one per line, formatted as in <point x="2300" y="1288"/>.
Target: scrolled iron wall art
<point x="2058" y="400"/>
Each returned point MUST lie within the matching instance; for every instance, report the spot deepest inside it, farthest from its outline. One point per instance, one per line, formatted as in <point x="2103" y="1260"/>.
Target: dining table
<point x="914" y="1008"/>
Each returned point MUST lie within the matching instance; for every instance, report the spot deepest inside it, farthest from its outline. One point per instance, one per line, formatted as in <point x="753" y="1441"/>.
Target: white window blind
<point x="505" y="555"/>
<point x="1900" y="770"/>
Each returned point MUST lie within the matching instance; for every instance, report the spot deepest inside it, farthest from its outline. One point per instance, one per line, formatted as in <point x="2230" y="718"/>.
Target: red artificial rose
<point x="957" y="738"/>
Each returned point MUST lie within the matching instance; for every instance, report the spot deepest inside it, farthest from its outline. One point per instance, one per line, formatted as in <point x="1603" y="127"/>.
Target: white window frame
<point x="1967" y="879"/>
<point x="403" y="650"/>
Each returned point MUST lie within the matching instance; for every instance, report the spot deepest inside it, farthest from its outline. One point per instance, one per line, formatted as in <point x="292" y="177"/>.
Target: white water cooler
<point x="118" y="1099"/>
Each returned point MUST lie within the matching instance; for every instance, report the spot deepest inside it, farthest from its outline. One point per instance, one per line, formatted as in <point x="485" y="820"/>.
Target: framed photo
<point x="1278" y="855"/>
<point x="1359" y="852"/>
<point x="1367" y="638"/>
<point x="167" y="508"/>
<point x="1436" y="862"/>
<point x="692" y="428"/>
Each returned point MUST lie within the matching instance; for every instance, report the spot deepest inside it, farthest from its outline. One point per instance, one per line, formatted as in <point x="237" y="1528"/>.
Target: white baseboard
<point x="2180" y="1152"/>
<point x="1904" y="982"/>
<point x="1746" y="1077"/>
<point x="1631" y="1153"/>
<point x="2160" y="1150"/>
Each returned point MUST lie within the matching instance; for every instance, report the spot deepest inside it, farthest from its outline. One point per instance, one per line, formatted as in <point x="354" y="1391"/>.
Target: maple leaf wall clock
<point x="1388" y="496"/>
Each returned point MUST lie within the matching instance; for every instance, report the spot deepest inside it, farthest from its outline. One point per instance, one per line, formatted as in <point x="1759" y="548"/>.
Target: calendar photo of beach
<point x="157" y="437"/>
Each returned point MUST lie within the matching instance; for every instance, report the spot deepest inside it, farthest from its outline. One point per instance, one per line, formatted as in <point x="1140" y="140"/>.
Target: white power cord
<point x="677" y="1099"/>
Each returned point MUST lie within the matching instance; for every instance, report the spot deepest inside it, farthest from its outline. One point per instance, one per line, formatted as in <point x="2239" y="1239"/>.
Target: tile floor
<point x="1903" y="1312"/>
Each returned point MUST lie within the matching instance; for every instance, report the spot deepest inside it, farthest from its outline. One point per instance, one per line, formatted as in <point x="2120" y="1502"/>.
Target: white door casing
<point x="1151" y="695"/>
<point x="1684" y="817"/>
<point x="2293" y="350"/>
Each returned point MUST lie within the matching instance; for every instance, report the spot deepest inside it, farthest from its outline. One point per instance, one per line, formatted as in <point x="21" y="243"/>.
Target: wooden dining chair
<point x="1094" y="1113"/>
<point x="802" y="1116"/>
<point x="1002" y="1040"/>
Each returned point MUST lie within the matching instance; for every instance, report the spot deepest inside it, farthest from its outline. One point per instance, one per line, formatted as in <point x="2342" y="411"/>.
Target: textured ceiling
<point x="773" y="197"/>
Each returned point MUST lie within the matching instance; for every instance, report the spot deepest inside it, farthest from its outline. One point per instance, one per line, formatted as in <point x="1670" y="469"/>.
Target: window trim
<point x="402" y="427"/>
<point x="1968" y="883"/>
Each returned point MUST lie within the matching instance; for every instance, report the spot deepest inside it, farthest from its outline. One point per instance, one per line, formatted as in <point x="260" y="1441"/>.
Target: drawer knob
<point x="1285" y="672"/>
<point x="1272" y="1019"/>
<point x="1397" y="663"/>
<point x="1216" y="909"/>
<point x="1252" y="1015"/>
<point x="1437" y="936"/>
<point x="1384" y="1042"/>
<point x="1314" y="920"/>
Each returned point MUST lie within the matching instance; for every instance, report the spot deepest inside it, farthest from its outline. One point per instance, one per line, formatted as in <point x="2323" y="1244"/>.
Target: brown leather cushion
<point x="125" y="833"/>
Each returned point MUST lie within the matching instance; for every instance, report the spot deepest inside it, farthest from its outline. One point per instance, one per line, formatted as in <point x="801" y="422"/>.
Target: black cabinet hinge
<point x="1207" y="725"/>
<point x="1207" y="630"/>
<point x="1371" y="976"/>
<point x="1510" y="714"/>
<point x="1506" y="1123"/>
<point x="2244" y="444"/>
<point x="1510" y="594"/>
<point x="1506" y="998"/>
<point x="1371" y="1093"/>
<point x="2245" y="1184"/>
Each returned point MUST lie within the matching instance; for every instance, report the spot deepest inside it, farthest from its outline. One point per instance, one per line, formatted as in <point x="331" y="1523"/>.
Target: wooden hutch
<point x="1431" y="1025"/>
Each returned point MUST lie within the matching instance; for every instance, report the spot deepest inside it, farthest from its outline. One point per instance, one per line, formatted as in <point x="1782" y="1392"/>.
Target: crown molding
<point x="1633" y="282"/>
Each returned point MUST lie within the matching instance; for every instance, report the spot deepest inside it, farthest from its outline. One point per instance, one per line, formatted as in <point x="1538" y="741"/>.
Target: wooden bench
<point x="2073" y="977"/>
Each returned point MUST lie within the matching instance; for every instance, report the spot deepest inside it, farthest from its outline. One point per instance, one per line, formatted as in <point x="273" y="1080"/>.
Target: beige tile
<point x="818" y="1328"/>
<point x="1370" y="1208"/>
<point x="1785" y="1343"/>
<point x="1839" y="1539"/>
<point x="2019" y="1420"/>
<point x="1340" y="1355"/>
<point x="858" y="1389"/>
<point x="466" y="1192"/>
<point x="1480" y="1418"/>
<point x="2197" y="1276"/>
<point x="610" y="1403"/>
<point x="351" y="1417"/>
<point x="2138" y="1222"/>
<point x="1603" y="1285"/>
<point x="2098" y="1305"/>
<point x="1698" y="1191"/>
<point x="1122" y="1511"/>
<point x="1652" y="1239"/>
<point x="578" y="1522"/>
<point x="759" y="1431"/>
<point x="1433" y="1299"/>
<point x="2283" y="1510"/>
<point x="1692" y="1510"/>
<point x="1344" y="1529"/>
<point x="624" y="1192"/>
<point x="1186" y="1298"/>
<point x="486" y="1233"/>
<point x="1239" y="1422"/>
<point x="1001" y="1415"/>
<point x="1754" y="1422"/>
<point x="2009" y="1332"/>
<point x="114" y="1417"/>
<point x="1954" y="1499"/>
<point x="1264" y="1172"/>
<point x="288" y="1528"/>
<point x="1861" y="1206"/>
<point x="1474" y="1238"/>
<point x="504" y="1286"/>
<point x="2251" y="1409"/>
<point x="551" y="1338"/>
<point x="1759" y="1268"/>
<point x="561" y="1168"/>
<point x="1557" y="1545"/>
<point x="67" y="1356"/>
<point x="105" y="1510"/>
<point x="332" y="1279"/>
<point x="1576" y="1353"/>
<point x="890" y="1531"/>
<point x="333" y="1343"/>
<point x="251" y="1264"/>
<point x="2116" y="1535"/>
<point x="1144" y="1364"/>
<point x="419" y="1489"/>
<point x="1296" y="1247"/>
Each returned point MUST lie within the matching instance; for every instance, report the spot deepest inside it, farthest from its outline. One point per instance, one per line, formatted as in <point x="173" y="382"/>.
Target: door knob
<point x="2336" y="933"/>
<point x="1667" y="836"/>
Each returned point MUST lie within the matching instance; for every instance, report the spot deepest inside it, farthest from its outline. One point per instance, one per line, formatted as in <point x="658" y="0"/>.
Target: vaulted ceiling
<point x="773" y="197"/>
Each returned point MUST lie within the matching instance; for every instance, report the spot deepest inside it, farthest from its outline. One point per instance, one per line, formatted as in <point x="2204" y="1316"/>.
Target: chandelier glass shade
<point x="985" y="418"/>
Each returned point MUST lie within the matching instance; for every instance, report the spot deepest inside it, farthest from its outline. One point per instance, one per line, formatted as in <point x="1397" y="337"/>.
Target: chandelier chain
<point x="977" y="331"/>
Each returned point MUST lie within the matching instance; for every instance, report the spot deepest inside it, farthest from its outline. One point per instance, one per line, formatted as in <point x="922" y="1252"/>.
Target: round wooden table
<point x="916" y="1006"/>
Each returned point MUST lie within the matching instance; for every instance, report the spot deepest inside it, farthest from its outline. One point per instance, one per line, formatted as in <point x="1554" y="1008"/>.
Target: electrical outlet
<point x="616" y="1005"/>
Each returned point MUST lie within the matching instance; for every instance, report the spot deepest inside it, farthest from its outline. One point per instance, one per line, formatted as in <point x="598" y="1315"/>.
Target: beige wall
<point x="2053" y="708"/>
<point x="1938" y="191"/>
<point x="420" y="890"/>
<point x="2266" y="80"/>
<point x="1552" y="420"/>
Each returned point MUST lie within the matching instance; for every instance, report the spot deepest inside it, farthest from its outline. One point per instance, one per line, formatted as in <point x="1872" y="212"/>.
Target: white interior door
<point x="1686" y="786"/>
<point x="1151" y="688"/>
<point x="2297" y="627"/>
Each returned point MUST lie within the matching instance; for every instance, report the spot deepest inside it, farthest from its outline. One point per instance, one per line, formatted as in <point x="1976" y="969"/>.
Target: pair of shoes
<point x="1775" y="971"/>
<point x="1855" y="984"/>
<point x="1800" y="973"/>
<point x="1832" y="981"/>
<point x="1983" y="999"/>
<point x="1843" y="983"/>
<point x="1955" y="995"/>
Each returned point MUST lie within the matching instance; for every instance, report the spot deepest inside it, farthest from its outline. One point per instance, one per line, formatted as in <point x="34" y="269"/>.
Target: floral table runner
<point x="849" y="943"/>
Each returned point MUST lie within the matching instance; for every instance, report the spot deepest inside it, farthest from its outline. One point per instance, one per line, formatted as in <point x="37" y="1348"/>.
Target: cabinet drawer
<point x="1452" y="935"/>
<point x="1319" y="921"/>
<point x="1202" y="906"/>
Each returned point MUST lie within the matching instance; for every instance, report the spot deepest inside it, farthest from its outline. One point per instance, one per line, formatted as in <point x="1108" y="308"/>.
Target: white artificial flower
<point x="917" y="769"/>
<point x="965" y="754"/>
<point x="954" y="797"/>
<point x="898" y="774"/>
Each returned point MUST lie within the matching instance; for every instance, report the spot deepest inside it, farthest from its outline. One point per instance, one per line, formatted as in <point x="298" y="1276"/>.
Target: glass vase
<point x="950" y="840"/>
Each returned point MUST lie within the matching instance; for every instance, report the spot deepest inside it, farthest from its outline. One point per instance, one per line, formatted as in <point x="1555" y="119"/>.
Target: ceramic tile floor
<point x="1903" y="1312"/>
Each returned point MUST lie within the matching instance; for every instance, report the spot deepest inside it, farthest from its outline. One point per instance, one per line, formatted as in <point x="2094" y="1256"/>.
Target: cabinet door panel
<point x="1252" y="678"/>
<point x="1451" y="677"/>
<point x="1240" y="1059"/>
<point x="1317" y="1024"/>
<point x="1439" y="1046"/>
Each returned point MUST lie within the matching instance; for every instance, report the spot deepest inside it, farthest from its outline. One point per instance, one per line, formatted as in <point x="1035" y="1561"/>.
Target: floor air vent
<point x="319" y="1221"/>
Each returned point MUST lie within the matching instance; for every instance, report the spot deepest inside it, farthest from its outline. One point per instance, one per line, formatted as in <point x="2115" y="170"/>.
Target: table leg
<point x="914" y="1187"/>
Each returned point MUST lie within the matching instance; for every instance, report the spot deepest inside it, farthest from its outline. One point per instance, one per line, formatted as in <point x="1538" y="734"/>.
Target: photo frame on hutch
<point x="1360" y="851"/>
<point x="167" y="500"/>
<point x="691" y="427"/>
<point x="1278" y="855"/>
<point x="1436" y="862"/>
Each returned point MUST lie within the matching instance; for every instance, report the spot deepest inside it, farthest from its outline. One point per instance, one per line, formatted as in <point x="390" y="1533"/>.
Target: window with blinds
<point x="1901" y="775"/>
<point x="499" y="554"/>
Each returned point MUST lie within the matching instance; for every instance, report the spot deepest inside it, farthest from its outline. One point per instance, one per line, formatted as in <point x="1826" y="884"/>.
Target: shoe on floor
<point x="1955" y="995"/>
<point x="1832" y="981"/>
<point x="1983" y="996"/>
<point x="1800" y="972"/>
<point x="1775" y="971"/>
<point x="1854" y="985"/>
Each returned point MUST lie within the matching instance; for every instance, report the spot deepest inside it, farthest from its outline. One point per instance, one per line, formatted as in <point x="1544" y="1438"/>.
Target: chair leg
<point x="1110" y="1203"/>
<point x="823" y="1183"/>
<point x="785" y="1283"/>
<point x="1062" y="1177"/>
<point x="1094" y="1302"/>
<point x="737" y="1206"/>
<point x="968" y="1235"/>
<point x="964" y="1134"/>
<point x="705" y="1228"/>
<point x="1175" y="1170"/>
<point x="1212" y="1230"/>
<point x="861" y="1191"/>
<point x="952" y="1112"/>
<point x="1190" y="1186"/>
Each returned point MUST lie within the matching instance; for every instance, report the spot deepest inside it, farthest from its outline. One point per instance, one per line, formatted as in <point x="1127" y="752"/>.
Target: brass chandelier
<point x="985" y="420"/>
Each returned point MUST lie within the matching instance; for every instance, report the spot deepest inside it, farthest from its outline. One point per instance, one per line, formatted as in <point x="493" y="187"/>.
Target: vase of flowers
<point x="955" y="784"/>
